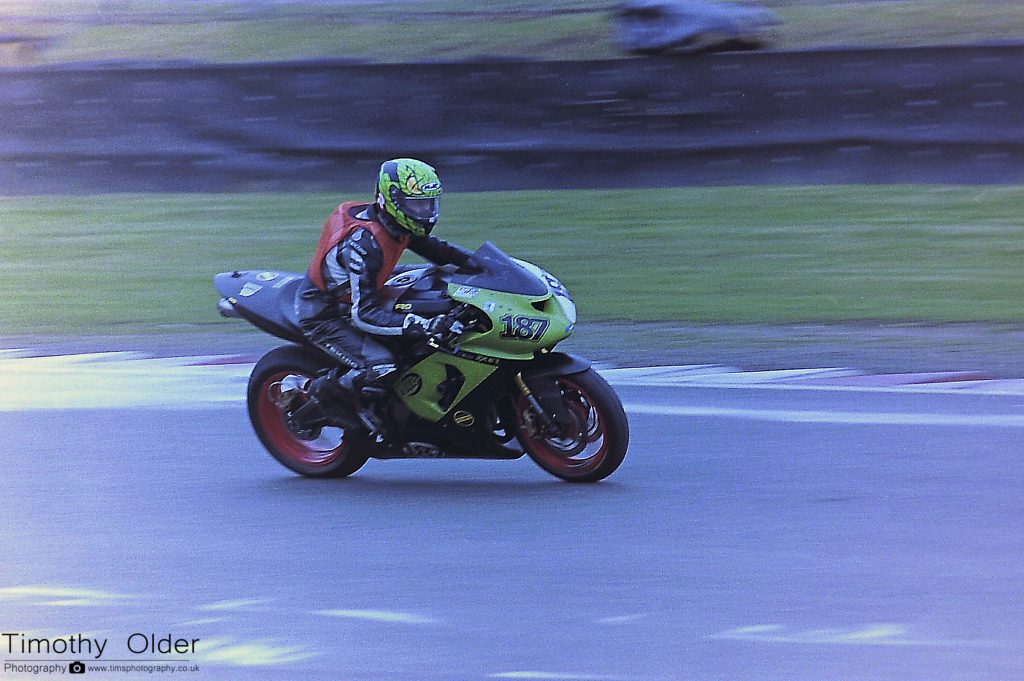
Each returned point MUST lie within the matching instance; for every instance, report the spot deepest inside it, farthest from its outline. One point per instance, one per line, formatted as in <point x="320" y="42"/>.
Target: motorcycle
<point x="496" y="391"/>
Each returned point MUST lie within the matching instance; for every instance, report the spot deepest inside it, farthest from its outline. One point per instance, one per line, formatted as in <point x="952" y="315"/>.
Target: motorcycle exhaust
<point x="227" y="309"/>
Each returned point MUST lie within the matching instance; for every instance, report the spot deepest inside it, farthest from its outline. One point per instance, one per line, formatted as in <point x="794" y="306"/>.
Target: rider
<point x="340" y="303"/>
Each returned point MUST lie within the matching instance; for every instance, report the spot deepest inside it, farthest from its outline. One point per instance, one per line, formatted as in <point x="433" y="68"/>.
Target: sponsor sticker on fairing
<point x="250" y="289"/>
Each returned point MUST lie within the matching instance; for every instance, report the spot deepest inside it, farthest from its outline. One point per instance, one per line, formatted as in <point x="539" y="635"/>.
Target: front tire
<point x="595" y="446"/>
<point x="327" y="452"/>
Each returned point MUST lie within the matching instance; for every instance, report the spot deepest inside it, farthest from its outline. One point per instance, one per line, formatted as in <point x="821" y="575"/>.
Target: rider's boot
<point x="356" y="390"/>
<point x="329" y="396"/>
<point x="369" y="386"/>
<point x="304" y="416"/>
<point x="373" y="383"/>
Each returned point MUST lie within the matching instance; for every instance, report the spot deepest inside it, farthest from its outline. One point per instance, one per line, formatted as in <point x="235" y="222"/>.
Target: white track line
<point x="113" y="380"/>
<point x="834" y="417"/>
<point x="129" y="379"/>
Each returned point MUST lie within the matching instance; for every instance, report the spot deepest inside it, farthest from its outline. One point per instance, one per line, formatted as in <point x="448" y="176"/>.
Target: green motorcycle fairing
<point x="526" y="310"/>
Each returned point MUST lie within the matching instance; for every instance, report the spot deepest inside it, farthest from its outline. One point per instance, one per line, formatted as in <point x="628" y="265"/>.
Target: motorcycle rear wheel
<point x="595" y="446"/>
<point x="321" y="453"/>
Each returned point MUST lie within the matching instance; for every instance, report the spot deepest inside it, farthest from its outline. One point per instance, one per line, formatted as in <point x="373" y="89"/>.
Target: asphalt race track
<point x="752" y="533"/>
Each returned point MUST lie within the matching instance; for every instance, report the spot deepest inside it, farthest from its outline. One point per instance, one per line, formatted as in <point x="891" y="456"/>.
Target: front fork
<point x="547" y="424"/>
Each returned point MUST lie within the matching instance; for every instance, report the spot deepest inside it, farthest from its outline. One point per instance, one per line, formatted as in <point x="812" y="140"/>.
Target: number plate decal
<point x="524" y="328"/>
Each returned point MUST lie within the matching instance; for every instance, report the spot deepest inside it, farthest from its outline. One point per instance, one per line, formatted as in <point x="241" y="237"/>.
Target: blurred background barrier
<point x="944" y="114"/>
<point x="663" y="26"/>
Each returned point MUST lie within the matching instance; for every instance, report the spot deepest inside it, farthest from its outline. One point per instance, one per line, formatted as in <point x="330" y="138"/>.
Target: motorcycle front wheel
<point x="318" y="452"/>
<point x="594" y="446"/>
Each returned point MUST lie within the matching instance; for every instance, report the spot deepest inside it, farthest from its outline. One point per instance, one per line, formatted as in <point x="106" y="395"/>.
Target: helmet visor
<point x="421" y="209"/>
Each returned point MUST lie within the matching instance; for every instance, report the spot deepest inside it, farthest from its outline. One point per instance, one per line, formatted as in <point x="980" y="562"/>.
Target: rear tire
<point x="597" y="444"/>
<point x="332" y="453"/>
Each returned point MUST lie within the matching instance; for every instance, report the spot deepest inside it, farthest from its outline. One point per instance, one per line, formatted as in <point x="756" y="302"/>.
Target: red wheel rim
<point x="321" y="451"/>
<point x="576" y="453"/>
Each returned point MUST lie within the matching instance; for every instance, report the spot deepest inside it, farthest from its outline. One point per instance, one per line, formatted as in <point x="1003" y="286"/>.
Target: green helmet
<point x="409" y="193"/>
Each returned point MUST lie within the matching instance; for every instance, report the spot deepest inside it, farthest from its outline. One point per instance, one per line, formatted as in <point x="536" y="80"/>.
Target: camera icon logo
<point x="76" y="668"/>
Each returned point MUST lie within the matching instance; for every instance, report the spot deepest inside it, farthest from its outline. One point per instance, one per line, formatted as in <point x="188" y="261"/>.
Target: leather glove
<point x="444" y="328"/>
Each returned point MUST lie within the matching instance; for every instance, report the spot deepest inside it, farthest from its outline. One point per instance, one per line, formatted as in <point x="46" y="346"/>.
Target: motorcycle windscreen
<point x="498" y="272"/>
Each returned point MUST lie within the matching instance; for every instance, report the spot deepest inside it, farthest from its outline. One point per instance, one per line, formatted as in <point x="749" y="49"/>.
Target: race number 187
<point x="523" y="327"/>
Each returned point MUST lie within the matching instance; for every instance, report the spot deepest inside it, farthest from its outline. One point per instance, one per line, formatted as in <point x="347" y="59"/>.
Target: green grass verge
<point x="403" y="31"/>
<point x="117" y="264"/>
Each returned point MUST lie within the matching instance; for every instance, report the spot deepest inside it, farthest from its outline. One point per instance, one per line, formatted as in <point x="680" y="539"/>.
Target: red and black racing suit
<point x="340" y="304"/>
